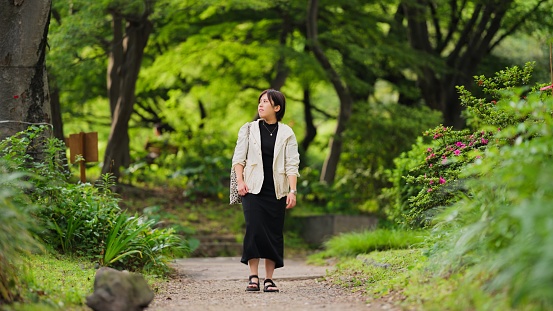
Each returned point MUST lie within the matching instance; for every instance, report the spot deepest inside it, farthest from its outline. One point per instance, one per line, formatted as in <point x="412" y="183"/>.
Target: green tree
<point x="452" y="38"/>
<point x="346" y="100"/>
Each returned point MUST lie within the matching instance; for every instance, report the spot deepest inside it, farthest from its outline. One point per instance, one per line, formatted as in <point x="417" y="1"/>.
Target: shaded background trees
<point x="344" y="65"/>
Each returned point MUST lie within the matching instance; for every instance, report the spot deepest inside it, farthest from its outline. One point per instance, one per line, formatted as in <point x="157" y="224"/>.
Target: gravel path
<point x="218" y="284"/>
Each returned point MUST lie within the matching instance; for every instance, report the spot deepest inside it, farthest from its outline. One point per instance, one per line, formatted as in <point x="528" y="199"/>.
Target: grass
<point x="56" y="282"/>
<point x="351" y="244"/>
<point x="365" y="263"/>
<point x="379" y="273"/>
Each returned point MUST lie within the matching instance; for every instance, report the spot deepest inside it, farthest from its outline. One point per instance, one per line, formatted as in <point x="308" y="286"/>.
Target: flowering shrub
<point x="438" y="175"/>
<point x="433" y="177"/>
<point x="502" y="230"/>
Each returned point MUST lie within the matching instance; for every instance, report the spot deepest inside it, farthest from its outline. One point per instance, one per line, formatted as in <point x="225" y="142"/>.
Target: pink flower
<point x="442" y="180"/>
<point x="546" y="87"/>
<point x="494" y="102"/>
<point x="429" y="150"/>
<point x="16" y="96"/>
<point x="429" y="190"/>
<point x="457" y="152"/>
<point x="484" y="141"/>
<point x="431" y="182"/>
<point x="444" y="161"/>
<point x="430" y="165"/>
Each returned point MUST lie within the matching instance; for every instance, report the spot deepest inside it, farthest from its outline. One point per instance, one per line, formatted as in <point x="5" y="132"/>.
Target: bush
<point x="84" y="219"/>
<point x="16" y="236"/>
<point x="397" y="196"/>
<point x="196" y="154"/>
<point x="435" y="174"/>
<point x="375" y="135"/>
<point x="503" y="229"/>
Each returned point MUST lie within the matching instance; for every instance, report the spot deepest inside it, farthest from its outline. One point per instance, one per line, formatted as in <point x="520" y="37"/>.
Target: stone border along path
<point x="219" y="283"/>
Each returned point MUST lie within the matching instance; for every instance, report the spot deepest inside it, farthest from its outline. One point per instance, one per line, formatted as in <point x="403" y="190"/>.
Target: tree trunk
<point x="123" y="74"/>
<point x="281" y="68"/>
<point x="55" y="107"/>
<point x="476" y="40"/>
<point x="310" y="129"/>
<point x="115" y="62"/>
<point x="24" y="97"/>
<point x="330" y="165"/>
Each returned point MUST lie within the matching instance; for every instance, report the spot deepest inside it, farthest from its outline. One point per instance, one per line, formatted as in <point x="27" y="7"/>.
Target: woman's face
<point x="266" y="109"/>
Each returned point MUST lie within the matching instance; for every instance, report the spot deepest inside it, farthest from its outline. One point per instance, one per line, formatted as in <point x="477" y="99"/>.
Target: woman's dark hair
<point x="277" y="99"/>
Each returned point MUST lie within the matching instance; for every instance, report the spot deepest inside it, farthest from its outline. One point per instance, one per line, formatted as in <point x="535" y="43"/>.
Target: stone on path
<point x="119" y="291"/>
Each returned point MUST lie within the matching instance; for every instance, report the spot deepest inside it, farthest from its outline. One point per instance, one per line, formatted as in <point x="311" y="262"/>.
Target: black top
<point x="268" y="139"/>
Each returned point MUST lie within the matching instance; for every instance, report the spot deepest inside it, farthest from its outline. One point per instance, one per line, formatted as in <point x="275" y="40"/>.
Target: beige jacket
<point x="285" y="162"/>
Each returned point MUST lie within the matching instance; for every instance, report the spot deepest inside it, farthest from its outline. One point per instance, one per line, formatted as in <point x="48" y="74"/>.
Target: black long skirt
<point x="264" y="216"/>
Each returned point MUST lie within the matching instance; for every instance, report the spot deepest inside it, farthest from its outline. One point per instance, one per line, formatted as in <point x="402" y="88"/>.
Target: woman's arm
<point x="242" y="187"/>
<point x="239" y="158"/>
<point x="291" y="198"/>
<point x="241" y="149"/>
<point x="292" y="163"/>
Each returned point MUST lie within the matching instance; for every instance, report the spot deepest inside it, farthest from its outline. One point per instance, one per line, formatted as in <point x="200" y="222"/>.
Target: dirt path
<point x="218" y="284"/>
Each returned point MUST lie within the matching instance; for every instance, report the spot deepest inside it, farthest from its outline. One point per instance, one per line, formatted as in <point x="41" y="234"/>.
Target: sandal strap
<point x="253" y="276"/>
<point x="271" y="283"/>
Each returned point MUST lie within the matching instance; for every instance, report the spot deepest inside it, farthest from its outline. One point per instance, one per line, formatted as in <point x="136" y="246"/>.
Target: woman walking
<point x="266" y="162"/>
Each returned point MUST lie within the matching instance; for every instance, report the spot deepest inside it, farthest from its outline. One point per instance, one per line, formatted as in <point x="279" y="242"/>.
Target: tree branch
<point x="516" y="25"/>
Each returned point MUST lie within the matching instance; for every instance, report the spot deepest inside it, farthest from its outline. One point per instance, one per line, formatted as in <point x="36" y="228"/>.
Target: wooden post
<point x="85" y="145"/>
<point x="82" y="138"/>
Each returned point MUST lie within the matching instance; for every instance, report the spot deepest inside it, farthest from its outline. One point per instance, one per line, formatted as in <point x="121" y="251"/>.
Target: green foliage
<point x="482" y="112"/>
<point x="397" y="196"/>
<point x="20" y="150"/>
<point x="197" y="167"/>
<point x="16" y="237"/>
<point x="84" y="219"/>
<point x="352" y="244"/>
<point x="436" y="177"/>
<point x="57" y="281"/>
<point x="504" y="226"/>
<point x="78" y="218"/>
<point x="375" y="136"/>
<point x="132" y="243"/>
<point x="378" y="273"/>
<point x="120" y="239"/>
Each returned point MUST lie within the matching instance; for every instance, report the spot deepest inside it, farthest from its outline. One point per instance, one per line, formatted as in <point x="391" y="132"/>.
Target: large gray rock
<point x="119" y="291"/>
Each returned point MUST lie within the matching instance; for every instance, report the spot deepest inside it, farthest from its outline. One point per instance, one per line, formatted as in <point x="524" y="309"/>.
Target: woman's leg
<point x="269" y="269"/>
<point x="254" y="270"/>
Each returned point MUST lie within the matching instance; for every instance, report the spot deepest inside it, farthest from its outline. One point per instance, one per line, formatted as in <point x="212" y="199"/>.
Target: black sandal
<point x="269" y="283"/>
<point x="251" y="288"/>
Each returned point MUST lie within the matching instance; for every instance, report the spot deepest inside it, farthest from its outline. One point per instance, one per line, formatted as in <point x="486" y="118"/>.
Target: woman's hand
<point x="290" y="200"/>
<point x="242" y="188"/>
